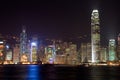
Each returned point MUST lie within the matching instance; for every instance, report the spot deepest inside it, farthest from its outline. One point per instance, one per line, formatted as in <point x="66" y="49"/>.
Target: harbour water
<point x="57" y="72"/>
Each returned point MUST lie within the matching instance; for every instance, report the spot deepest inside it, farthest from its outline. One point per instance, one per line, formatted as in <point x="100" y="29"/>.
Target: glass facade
<point x="95" y="36"/>
<point x="23" y="43"/>
<point x="112" y="51"/>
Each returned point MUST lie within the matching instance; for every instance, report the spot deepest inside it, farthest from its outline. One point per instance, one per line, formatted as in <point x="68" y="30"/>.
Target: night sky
<point x="59" y="18"/>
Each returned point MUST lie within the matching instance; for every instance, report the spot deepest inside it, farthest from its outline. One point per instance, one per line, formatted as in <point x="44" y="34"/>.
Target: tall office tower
<point x="2" y="48"/>
<point x="103" y="55"/>
<point x="16" y="51"/>
<point x="85" y="52"/>
<point x="23" y="42"/>
<point x="95" y="36"/>
<point x="9" y="54"/>
<point x="112" y="50"/>
<point x="33" y="52"/>
<point x="50" y="54"/>
<point x="67" y="54"/>
<point x="89" y="57"/>
<point x="34" y="49"/>
<point x="73" y="55"/>
<point x="41" y="52"/>
<point x="2" y="55"/>
<point x="118" y="47"/>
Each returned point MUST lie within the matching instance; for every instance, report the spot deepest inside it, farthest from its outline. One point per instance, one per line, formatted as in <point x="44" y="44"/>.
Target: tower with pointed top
<point x="23" y="42"/>
<point x="95" y="36"/>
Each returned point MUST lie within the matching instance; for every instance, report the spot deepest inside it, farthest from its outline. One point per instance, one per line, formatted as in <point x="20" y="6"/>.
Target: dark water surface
<point x="53" y="72"/>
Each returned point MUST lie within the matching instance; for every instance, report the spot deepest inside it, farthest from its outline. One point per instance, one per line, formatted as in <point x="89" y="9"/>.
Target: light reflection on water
<point x="104" y="73"/>
<point x="50" y="72"/>
<point x="34" y="72"/>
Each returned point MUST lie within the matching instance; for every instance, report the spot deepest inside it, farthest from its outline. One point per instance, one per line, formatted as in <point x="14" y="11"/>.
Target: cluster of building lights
<point x="29" y="53"/>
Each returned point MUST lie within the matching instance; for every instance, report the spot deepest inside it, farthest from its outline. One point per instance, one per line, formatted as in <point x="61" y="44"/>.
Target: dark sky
<point x="64" y="18"/>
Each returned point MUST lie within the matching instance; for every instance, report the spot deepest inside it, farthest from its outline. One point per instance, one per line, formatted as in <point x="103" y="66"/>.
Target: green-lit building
<point x="112" y="50"/>
<point x="118" y="47"/>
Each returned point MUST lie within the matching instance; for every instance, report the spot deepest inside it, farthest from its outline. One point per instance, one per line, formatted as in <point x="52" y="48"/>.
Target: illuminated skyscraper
<point x="2" y="47"/>
<point x="119" y="39"/>
<point x="89" y="57"/>
<point x="34" y="49"/>
<point x="50" y="53"/>
<point x="118" y="47"/>
<point x="85" y="52"/>
<point x="23" y="42"/>
<point x="112" y="51"/>
<point x="33" y="52"/>
<point x="103" y="54"/>
<point x="16" y="51"/>
<point x="95" y="36"/>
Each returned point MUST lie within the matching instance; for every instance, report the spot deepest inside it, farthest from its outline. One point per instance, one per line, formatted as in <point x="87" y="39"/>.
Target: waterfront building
<point x="118" y="46"/>
<point x="103" y="55"/>
<point x="60" y="59"/>
<point x="73" y="53"/>
<point x="112" y="50"/>
<point x="9" y="54"/>
<point x="85" y="52"/>
<point x="67" y="58"/>
<point x="95" y="36"/>
<point x="41" y="53"/>
<point x="16" y="54"/>
<point x="89" y="57"/>
<point x="34" y="49"/>
<point x="2" y="48"/>
<point x="50" y="54"/>
<point x="59" y="55"/>
<point x="23" y="43"/>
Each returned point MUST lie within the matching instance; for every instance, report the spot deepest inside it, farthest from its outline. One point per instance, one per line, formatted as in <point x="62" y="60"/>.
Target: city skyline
<point x="59" y="19"/>
<point x="60" y="39"/>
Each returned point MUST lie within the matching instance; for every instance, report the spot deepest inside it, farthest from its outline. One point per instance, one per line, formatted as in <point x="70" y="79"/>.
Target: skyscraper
<point x="118" y="46"/>
<point x="112" y="51"/>
<point x="95" y="36"/>
<point x="2" y="47"/>
<point x="23" y="42"/>
<point x="16" y="51"/>
<point x="85" y="52"/>
<point x="89" y="57"/>
<point x="34" y="49"/>
<point x="103" y="54"/>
